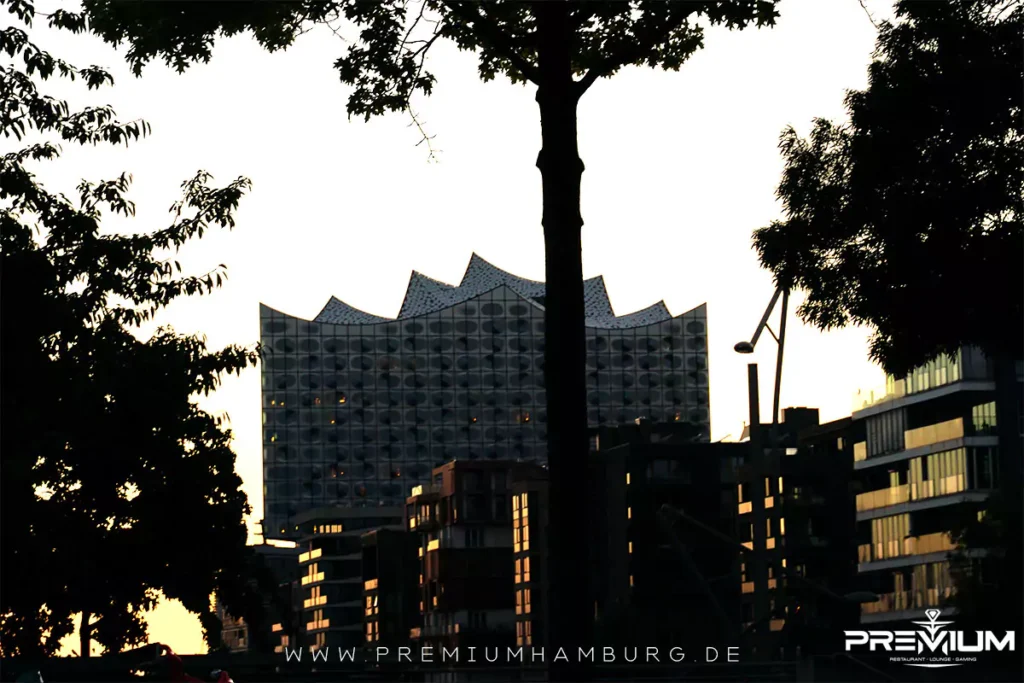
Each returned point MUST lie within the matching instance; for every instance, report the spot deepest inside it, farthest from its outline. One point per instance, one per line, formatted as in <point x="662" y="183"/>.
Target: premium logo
<point x="932" y="647"/>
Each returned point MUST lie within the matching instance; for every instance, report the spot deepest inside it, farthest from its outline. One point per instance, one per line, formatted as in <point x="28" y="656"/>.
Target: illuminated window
<point x="631" y="547"/>
<point x="519" y="576"/>
<point x="768" y="527"/>
<point x="526" y="569"/>
<point x="782" y="526"/>
<point x="627" y="478"/>
<point x="526" y="601"/>
<point x="780" y="486"/>
<point x="629" y="513"/>
<point x="630" y="579"/>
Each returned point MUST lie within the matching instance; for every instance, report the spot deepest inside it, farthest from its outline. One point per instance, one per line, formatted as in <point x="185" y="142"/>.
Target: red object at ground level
<point x="178" y="675"/>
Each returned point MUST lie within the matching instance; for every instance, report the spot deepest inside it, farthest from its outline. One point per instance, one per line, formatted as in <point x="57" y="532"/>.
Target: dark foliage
<point x="908" y="217"/>
<point x="115" y="485"/>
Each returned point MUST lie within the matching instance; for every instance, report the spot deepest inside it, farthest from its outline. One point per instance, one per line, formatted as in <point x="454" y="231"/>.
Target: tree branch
<point x="467" y="11"/>
<point x="864" y="7"/>
<point x="614" y="62"/>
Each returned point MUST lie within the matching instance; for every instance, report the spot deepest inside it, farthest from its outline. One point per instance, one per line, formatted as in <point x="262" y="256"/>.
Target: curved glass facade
<point x="357" y="413"/>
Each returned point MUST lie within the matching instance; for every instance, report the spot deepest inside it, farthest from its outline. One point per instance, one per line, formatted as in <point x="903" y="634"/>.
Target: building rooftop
<point x="426" y="295"/>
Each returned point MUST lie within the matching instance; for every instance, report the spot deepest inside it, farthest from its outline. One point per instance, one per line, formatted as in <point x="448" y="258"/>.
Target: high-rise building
<point x="932" y="454"/>
<point x="358" y="408"/>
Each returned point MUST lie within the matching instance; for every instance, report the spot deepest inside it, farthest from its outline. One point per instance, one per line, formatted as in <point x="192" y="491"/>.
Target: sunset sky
<point x="680" y="169"/>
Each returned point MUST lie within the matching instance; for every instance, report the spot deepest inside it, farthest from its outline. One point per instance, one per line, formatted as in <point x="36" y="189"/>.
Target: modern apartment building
<point x="331" y="572"/>
<point x="464" y="521"/>
<point x="236" y="634"/>
<point x="390" y="587"/>
<point x="529" y="556"/>
<point x="653" y="582"/>
<point x="796" y="524"/>
<point x="931" y="455"/>
<point x="358" y="409"/>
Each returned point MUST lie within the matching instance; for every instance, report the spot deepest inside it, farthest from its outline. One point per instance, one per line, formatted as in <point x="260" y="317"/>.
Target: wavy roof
<point x="426" y="295"/>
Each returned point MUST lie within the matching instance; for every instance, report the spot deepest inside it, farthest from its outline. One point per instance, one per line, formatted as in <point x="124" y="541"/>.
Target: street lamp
<point x="747" y="347"/>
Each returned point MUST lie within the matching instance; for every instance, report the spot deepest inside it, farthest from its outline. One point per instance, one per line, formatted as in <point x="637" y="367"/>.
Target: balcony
<point x="873" y="500"/>
<point x="937" y="433"/>
<point x="314" y="602"/>
<point x="900" y="601"/>
<point x="311" y="555"/>
<point x="905" y="493"/>
<point x="939" y="542"/>
<point x="317" y="625"/>
<point x="312" y="578"/>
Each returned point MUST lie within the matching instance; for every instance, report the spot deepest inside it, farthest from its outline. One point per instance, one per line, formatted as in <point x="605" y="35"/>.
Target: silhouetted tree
<point x="562" y="48"/>
<point x="115" y="484"/>
<point x="988" y="593"/>
<point x="987" y="596"/>
<point x="907" y="218"/>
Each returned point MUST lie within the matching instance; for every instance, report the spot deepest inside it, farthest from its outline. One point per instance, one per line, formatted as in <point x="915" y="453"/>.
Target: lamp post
<point x="747" y="347"/>
<point x="758" y="443"/>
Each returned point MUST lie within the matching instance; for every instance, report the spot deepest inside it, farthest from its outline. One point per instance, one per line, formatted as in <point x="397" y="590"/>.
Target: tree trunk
<point x="85" y="635"/>
<point x="571" y="624"/>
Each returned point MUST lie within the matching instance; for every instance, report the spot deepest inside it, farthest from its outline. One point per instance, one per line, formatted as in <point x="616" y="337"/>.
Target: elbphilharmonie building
<point x="359" y="408"/>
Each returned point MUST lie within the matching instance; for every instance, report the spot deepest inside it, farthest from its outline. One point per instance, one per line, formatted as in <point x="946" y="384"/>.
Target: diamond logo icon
<point x="932" y="614"/>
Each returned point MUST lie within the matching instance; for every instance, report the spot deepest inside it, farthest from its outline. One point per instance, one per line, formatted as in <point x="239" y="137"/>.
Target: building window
<point x="984" y="418"/>
<point x="526" y="569"/>
<point x="519" y="576"/>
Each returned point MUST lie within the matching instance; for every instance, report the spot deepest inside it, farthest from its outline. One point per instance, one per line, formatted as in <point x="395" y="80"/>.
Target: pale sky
<point x="680" y="169"/>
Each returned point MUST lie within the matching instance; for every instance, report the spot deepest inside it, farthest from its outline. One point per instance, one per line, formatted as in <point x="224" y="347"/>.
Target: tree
<point x="115" y="484"/>
<point x="563" y="49"/>
<point x="907" y="218"/>
<point x="988" y="593"/>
